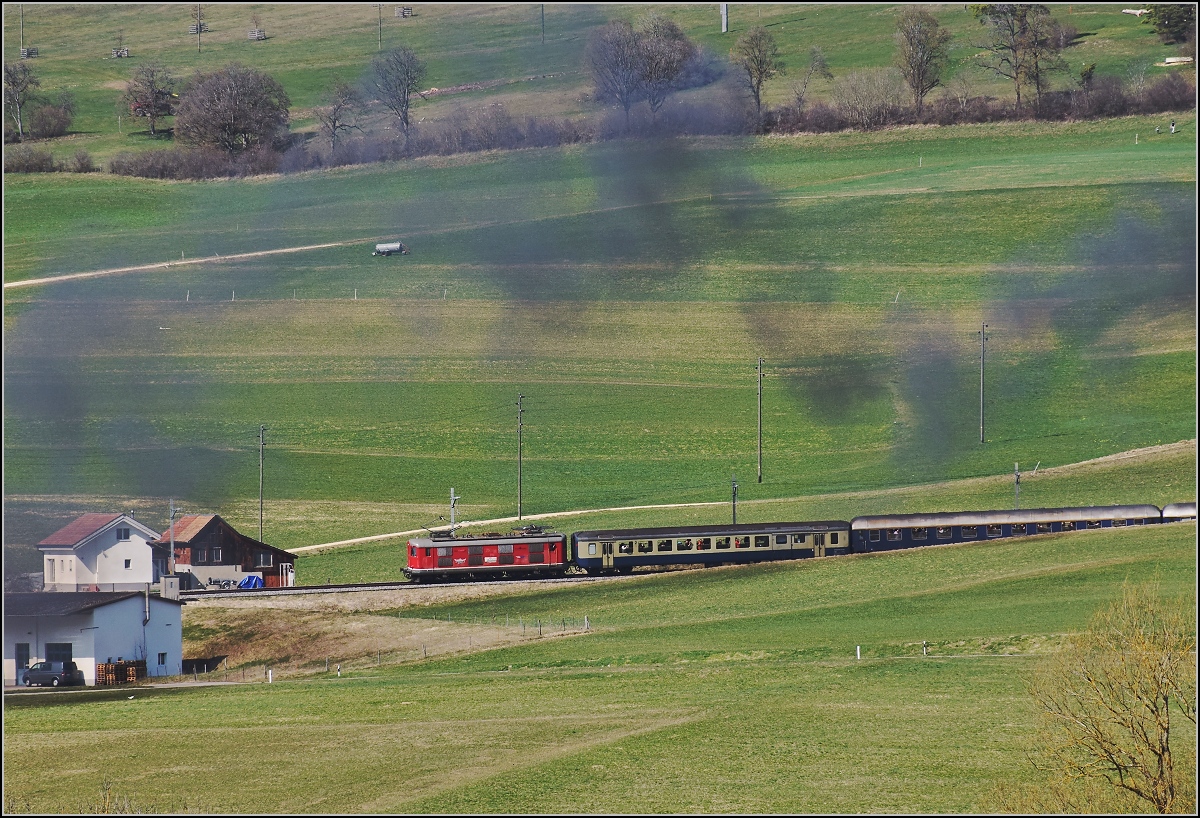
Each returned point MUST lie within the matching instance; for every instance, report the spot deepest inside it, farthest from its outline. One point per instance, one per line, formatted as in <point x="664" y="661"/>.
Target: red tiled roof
<point x="80" y="530"/>
<point x="186" y="527"/>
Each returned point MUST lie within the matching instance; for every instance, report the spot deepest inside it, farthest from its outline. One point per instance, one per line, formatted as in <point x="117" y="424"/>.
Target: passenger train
<point x="534" y="553"/>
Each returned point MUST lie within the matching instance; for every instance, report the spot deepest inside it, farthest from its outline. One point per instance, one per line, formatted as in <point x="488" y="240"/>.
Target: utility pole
<point x="171" y="528"/>
<point x="1017" y="485"/>
<point x="735" y="499"/>
<point x="520" y="444"/>
<point x="199" y="28"/>
<point x="543" y="23"/>
<point x="379" y="7"/>
<point x="982" y="360"/>
<point x="760" y="379"/>
<point x="262" y="441"/>
<point x="453" y="499"/>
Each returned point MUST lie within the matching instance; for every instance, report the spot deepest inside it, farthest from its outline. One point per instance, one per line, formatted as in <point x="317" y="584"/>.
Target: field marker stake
<point x="189" y="296"/>
<point x="858" y="652"/>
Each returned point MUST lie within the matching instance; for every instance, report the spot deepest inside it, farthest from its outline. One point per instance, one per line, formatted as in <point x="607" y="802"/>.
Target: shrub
<point x="1169" y="93"/>
<point x="82" y="162"/>
<point x="28" y="159"/>
<point x="49" y="121"/>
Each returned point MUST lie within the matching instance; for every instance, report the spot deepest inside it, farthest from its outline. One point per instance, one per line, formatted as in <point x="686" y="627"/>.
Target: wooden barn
<point x="217" y="554"/>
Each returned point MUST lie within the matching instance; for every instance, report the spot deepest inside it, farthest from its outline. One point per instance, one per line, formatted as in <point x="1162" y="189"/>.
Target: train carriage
<point x="1177" y="512"/>
<point x="525" y="553"/>
<point x="896" y="531"/>
<point x="622" y="550"/>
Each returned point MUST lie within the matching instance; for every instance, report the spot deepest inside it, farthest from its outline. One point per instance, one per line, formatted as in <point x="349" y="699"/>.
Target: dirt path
<point x="1148" y="452"/>
<point x="162" y="265"/>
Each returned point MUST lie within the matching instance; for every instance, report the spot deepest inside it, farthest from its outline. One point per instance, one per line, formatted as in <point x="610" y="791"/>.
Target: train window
<point x="818" y="539"/>
<point x="873" y="535"/>
<point x="995" y="531"/>
<point x="536" y="547"/>
<point x="1043" y="528"/>
<point x="445" y="562"/>
<point x="1069" y="525"/>
<point x="704" y="544"/>
<point x="1093" y="523"/>
<point x="833" y="538"/>
<point x="969" y="531"/>
<point x="798" y="538"/>
<point x="645" y="546"/>
<point x="741" y="542"/>
<point x="944" y="532"/>
<point x="475" y="550"/>
<point x="591" y="549"/>
<point x="428" y="551"/>
<point x="505" y="548"/>
<point x="683" y="545"/>
<point x="625" y="547"/>
<point x="664" y="545"/>
<point x="412" y="550"/>
<point x="781" y="539"/>
<point x="1120" y="522"/>
<point x="444" y="550"/>
<point x="722" y="542"/>
<point x="920" y="533"/>
<point x="762" y="541"/>
<point x="893" y="534"/>
<point x="1018" y="528"/>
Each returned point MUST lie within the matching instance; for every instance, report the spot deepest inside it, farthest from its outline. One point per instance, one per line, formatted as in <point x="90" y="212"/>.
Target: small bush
<point x="49" y="121"/>
<point x="1169" y="93"/>
<point x="82" y="162"/>
<point x="28" y="159"/>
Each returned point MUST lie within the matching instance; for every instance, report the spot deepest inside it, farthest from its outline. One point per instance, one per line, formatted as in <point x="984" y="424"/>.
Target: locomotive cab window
<point x="412" y="550"/>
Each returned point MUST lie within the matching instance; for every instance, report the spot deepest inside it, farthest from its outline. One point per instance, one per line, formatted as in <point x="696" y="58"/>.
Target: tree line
<point x="235" y="120"/>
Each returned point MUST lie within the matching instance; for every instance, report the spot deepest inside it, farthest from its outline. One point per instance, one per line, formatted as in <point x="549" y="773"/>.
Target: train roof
<point x="1030" y="515"/>
<point x="711" y="530"/>
<point x="488" y="539"/>
<point x="1179" y="510"/>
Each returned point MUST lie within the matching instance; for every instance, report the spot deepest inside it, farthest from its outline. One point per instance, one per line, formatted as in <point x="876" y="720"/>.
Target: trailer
<point x="387" y="248"/>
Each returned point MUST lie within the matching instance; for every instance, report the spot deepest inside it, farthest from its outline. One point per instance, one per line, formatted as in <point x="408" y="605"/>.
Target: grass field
<point x="732" y="690"/>
<point x="501" y="47"/>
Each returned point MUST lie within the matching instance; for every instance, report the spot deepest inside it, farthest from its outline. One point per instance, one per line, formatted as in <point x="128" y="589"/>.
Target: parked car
<point x="53" y="674"/>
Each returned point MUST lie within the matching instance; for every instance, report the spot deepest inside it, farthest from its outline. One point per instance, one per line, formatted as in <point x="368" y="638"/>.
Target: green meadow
<point x="730" y="690"/>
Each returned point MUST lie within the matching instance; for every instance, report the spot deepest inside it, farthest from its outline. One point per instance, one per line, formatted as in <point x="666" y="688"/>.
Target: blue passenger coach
<point x="896" y="531"/>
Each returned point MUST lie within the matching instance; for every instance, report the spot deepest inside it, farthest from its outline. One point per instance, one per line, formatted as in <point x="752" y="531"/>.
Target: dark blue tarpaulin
<point x="251" y="581"/>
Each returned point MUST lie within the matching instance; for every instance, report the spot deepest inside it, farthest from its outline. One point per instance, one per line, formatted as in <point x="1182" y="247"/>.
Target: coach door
<point x="818" y="545"/>
<point x="606" y="554"/>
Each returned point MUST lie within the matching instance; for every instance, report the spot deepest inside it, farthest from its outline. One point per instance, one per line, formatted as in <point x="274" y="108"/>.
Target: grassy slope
<point x="498" y="45"/>
<point x="717" y="691"/>
<point x="626" y="292"/>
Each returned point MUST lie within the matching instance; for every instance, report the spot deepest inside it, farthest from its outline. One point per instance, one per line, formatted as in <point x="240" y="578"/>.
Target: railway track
<point x="255" y="593"/>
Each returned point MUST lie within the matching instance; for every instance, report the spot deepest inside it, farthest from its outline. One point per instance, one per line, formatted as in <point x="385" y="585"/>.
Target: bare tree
<point x="1020" y="45"/>
<point x="665" y="50"/>
<point x="757" y="54"/>
<point x="20" y="86"/>
<point x="150" y="93"/>
<point x="234" y="109"/>
<point x="817" y="67"/>
<point x="397" y="78"/>
<point x="338" y="115"/>
<point x="922" y="52"/>
<point x="869" y="98"/>
<point x="1108" y="698"/>
<point x="614" y="59"/>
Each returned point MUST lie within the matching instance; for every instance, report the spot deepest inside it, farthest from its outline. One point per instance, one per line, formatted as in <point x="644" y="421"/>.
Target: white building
<point x="87" y="627"/>
<point x="102" y="552"/>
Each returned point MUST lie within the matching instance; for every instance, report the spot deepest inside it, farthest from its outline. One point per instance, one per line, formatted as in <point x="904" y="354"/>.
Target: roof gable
<point x="189" y="527"/>
<point x="66" y="603"/>
<point x="90" y="524"/>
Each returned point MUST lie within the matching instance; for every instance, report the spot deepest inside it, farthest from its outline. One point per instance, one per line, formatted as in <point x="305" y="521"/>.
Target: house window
<point x="122" y="534"/>
<point x="22" y="655"/>
<point x="215" y="555"/>
<point x="265" y="559"/>
<point x="58" y="652"/>
<point x="162" y="660"/>
<point x="200" y="556"/>
<point x="128" y="563"/>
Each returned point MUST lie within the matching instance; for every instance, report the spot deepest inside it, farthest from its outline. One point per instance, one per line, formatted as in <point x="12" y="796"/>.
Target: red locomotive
<point x="528" y="552"/>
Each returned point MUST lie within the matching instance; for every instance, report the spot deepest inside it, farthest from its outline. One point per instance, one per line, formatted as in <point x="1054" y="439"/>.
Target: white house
<point x="87" y="627"/>
<point x="102" y="552"/>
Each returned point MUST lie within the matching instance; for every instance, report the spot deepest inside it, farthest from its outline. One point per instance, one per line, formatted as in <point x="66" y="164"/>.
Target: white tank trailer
<point x="387" y="248"/>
